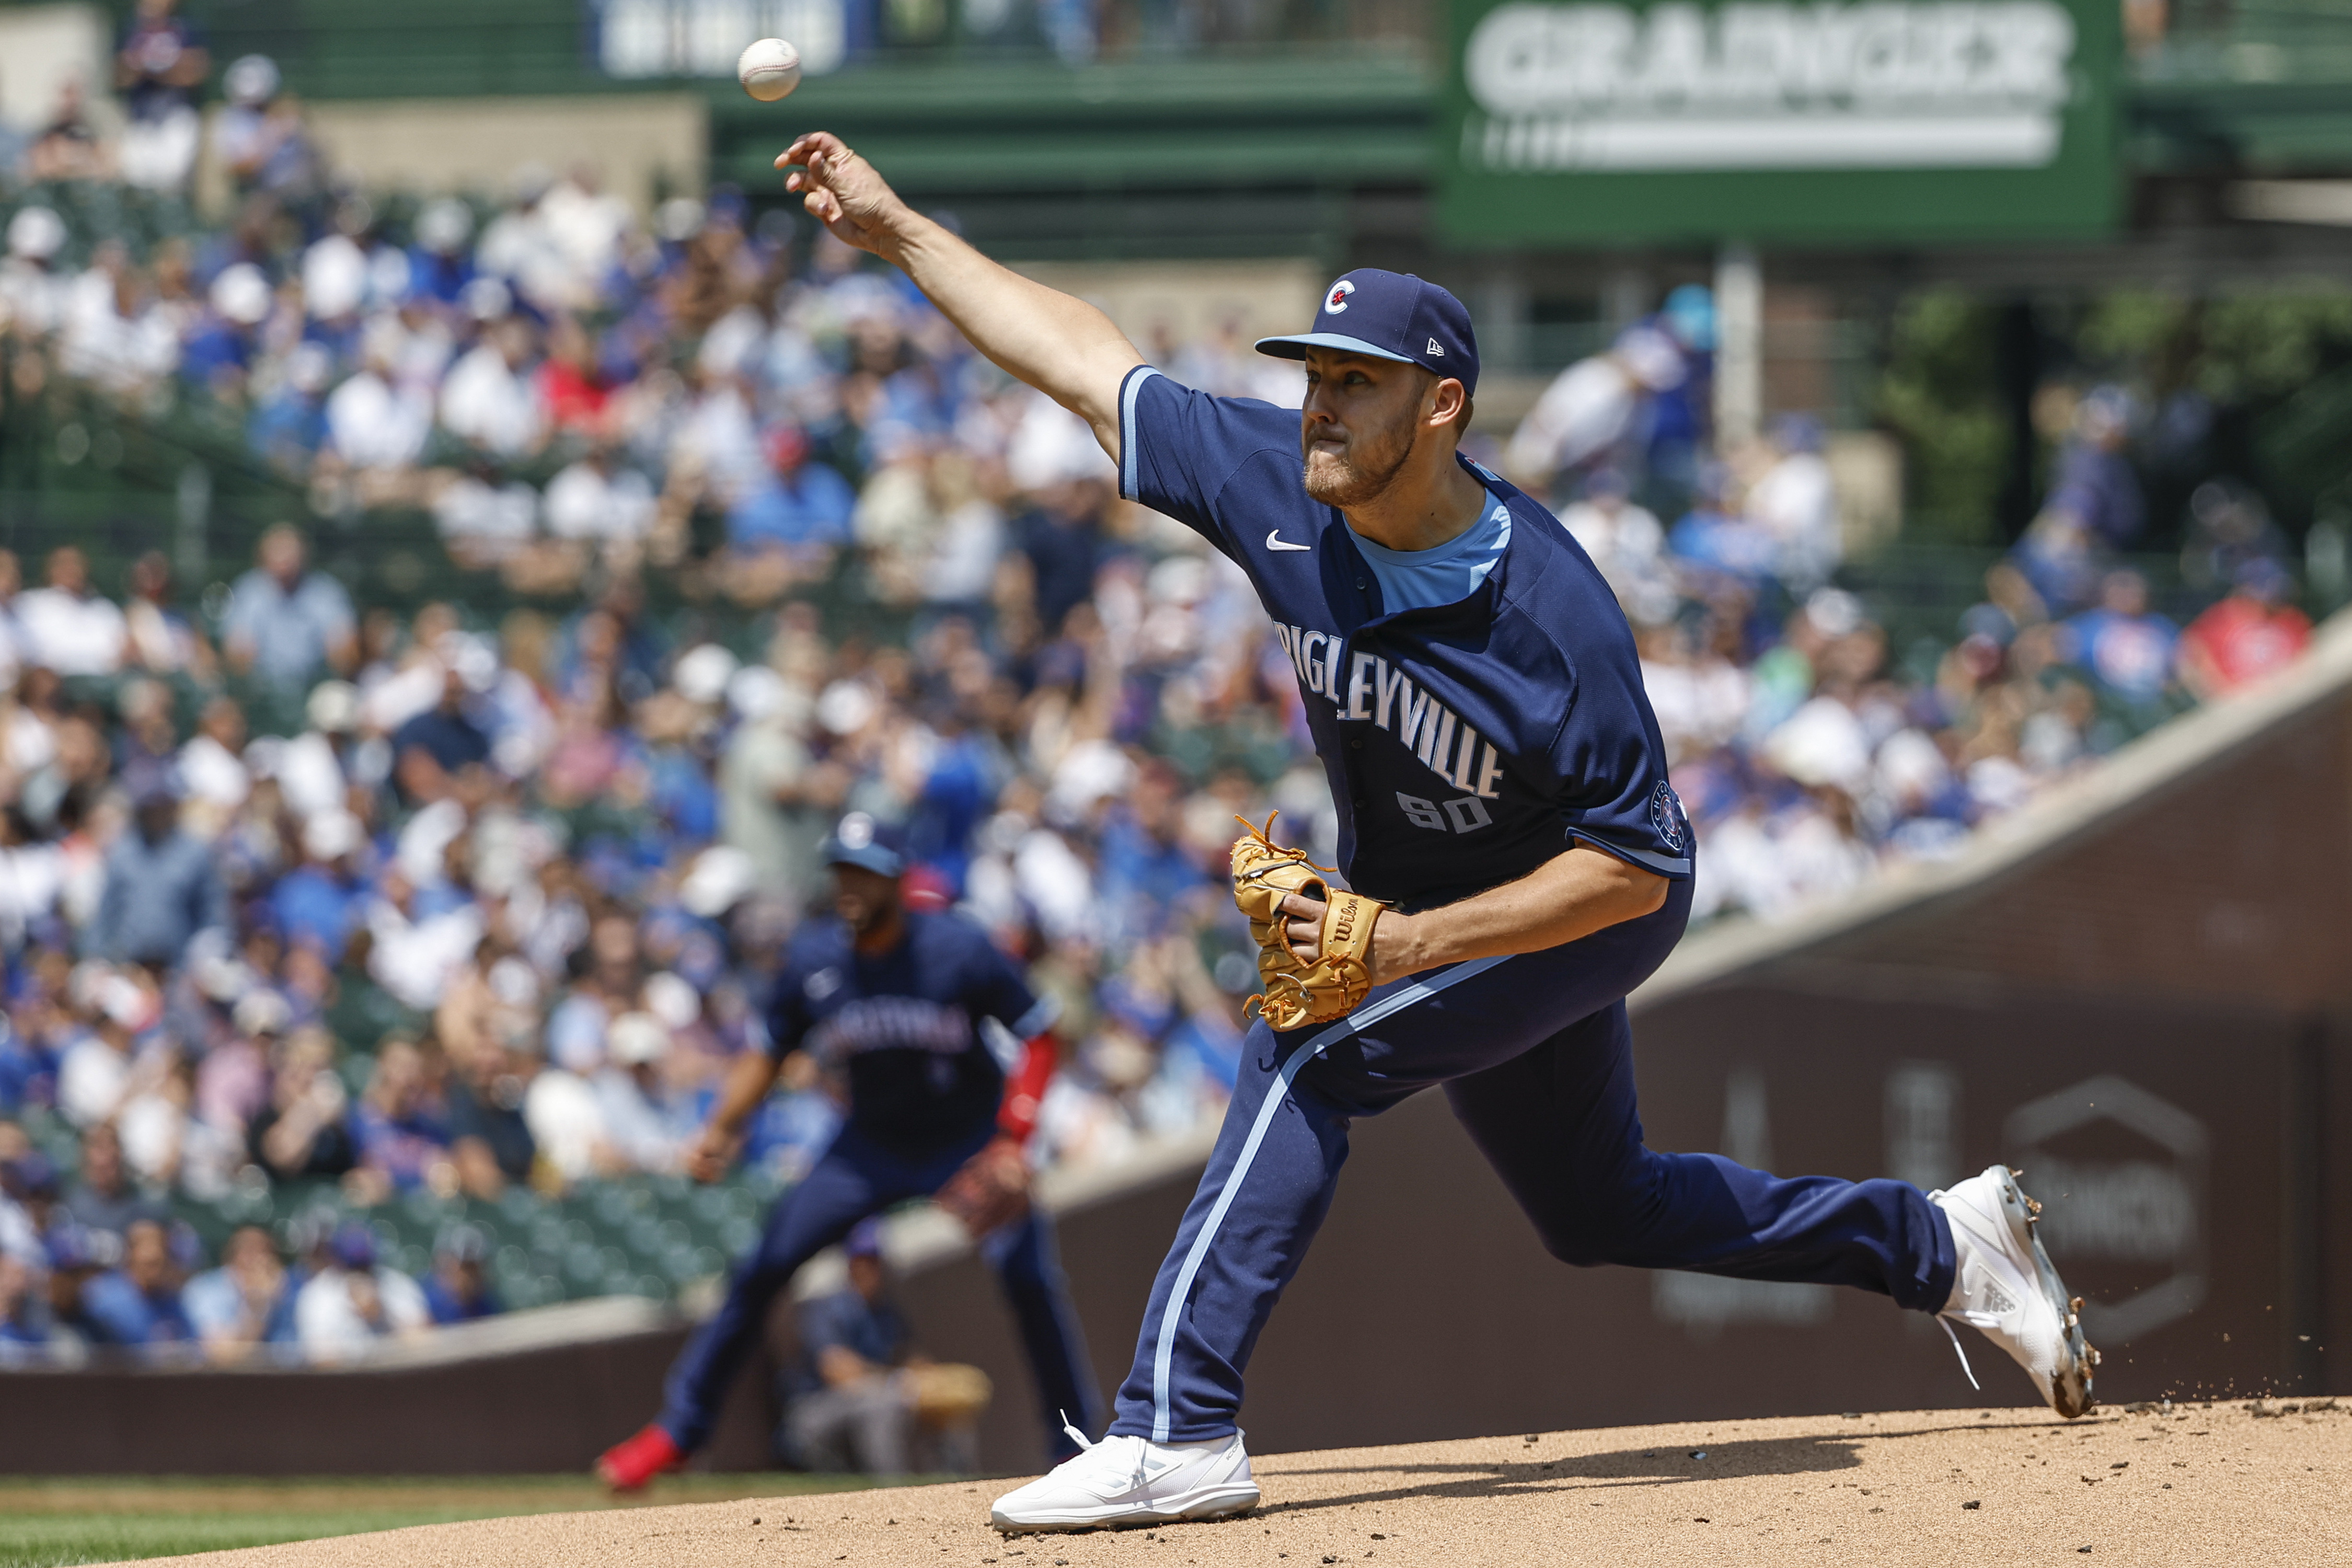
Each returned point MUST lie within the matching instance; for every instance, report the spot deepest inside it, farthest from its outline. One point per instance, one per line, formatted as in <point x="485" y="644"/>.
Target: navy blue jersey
<point x="1465" y="743"/>
<point x="911" y="1027"/>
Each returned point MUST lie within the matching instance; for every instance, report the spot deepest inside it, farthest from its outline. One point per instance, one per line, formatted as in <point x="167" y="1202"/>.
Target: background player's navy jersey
<point x="905" y="1025"/>
<point x="1465" y="743"/>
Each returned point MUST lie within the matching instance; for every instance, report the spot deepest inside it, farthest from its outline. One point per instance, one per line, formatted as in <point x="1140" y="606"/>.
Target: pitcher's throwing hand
<point x="842" y="191"/>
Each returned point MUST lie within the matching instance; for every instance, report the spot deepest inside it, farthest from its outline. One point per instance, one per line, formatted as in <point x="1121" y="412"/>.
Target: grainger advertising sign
<point x="1883" y="120"/>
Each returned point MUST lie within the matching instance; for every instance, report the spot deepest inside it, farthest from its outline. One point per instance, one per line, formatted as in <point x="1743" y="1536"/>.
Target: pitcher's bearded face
<point x="1351" y="467"/>
<point x="1358" y="425"/>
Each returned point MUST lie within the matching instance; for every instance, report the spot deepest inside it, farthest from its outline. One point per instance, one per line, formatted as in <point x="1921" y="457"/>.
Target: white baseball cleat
<point x="2004" y="1287"/>
<point x="1132" y="1480"/>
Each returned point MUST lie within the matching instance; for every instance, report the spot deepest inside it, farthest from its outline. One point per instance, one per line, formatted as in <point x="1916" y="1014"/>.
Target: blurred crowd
<point x="500" y="911"/>
<point x="496" y="907"/>
<point x="1807" y="751"/>
<point x="128" y="1280"/>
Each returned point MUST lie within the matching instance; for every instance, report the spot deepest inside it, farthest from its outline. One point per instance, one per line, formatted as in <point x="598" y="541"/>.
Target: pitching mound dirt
<point x="2194" y="1485"/>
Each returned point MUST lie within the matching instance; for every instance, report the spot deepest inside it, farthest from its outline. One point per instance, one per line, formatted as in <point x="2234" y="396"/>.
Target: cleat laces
<point x="1953" y="1334"/>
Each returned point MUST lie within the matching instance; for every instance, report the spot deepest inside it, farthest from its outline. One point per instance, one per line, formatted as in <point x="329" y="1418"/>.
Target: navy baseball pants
<point x="1536" y="1056"/>
<point x="858" y="1177"/>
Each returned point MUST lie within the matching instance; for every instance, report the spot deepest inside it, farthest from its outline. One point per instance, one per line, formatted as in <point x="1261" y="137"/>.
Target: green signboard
<point x="1884" y="121"/>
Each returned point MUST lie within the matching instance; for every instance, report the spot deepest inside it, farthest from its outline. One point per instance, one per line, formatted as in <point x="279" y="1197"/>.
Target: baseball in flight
<point x="769" y="69"/>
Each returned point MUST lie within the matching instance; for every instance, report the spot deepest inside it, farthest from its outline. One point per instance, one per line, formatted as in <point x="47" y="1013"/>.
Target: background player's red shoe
<point x="629" y="1463"/>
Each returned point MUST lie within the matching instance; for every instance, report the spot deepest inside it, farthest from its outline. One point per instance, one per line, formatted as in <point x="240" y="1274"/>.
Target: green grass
<point x="49" y="1522"/>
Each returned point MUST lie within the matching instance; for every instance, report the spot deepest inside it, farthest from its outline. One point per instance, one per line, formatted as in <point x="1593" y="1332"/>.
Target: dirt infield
<point x="2194" y="1485"/>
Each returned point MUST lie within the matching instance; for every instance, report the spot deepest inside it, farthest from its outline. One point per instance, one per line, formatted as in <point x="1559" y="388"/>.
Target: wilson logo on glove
<point x="1298" y="992"/>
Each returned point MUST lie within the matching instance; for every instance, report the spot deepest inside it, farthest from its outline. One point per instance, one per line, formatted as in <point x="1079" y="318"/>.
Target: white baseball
<point x="769" y="69"/>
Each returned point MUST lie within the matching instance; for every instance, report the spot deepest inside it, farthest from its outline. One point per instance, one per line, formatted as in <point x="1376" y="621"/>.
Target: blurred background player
<point x="946" y="1054"/>
<point x="865" y="1399"/>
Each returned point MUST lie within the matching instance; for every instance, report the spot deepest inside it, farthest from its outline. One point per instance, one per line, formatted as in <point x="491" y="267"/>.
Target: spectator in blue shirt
<point x="439" y="264"/>
<point x="2095" y="485"/>
<point x="398" y="1124"/>
<point x="102" y="1201"/>
<point x="162" y="886"/>
<point x="243" y="1304"/>
<point x="1067" y="543"/>
<point x="24" y="1322"/>
<point x="160" y="62"/>
<point x="137" y="1305"/>
<point x="848" y="1412"/>
<point x="1145" y="866"/>
<point x="323" y="901"/>
<point x="1715" y="538"/>
<point x="73" y="1260"/>
<point x="458" y="1289"/>
<point x="288" y="422"/>
<point x="28" y="1200"/>
<point x="2126" y="647"/>
<point x="29" y="1070"/>
<point x="442" y="755"/>
<point x="802" y="507"/>
<point x="287" y="624"/>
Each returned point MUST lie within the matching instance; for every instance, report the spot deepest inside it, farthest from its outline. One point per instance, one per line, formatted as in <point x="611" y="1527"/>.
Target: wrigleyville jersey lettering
<point x="1464" y="744"/>
<point x="1376" y="690"/>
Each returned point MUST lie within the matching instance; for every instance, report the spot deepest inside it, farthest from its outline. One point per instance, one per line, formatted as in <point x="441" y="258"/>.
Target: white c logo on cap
<point x="857" y="830"/>
<point x="1336" y="300"/>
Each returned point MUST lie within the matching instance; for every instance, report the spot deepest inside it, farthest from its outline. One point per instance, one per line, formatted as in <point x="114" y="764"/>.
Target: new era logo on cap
<point x="1392" y="316"/>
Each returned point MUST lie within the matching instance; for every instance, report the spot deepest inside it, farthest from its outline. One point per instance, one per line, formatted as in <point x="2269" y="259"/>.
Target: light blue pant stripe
<point x="1395" y="1002"/>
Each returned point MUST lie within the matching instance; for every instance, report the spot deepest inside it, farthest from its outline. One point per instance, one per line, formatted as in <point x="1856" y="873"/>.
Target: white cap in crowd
<point x="635" y="1038"/>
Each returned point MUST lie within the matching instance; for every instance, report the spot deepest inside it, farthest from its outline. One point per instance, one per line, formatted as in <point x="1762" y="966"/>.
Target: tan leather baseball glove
<point x="1299" y="991"/>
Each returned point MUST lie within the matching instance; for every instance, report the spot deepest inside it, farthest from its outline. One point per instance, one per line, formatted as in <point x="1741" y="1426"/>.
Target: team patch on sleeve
<point x="1667" y="817"/>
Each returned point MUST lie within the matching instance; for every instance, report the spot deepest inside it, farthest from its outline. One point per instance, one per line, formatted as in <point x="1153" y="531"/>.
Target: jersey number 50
<point x="1464" y="816"/>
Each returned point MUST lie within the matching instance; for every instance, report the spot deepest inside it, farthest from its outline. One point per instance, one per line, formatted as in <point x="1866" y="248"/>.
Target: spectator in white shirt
<point x="567" y="1124"/>
<point x="585" y="225"/>
<point x="66" y="626"/>
<point x="162" y="638"/>
<point x="372" y="420"/>
<point x="595" y="500"/>
<point x="32" y="296"/>
<point x="1795" y="500"/>
<point x="521" y="246"/>
<point x="488" y="400"/>
<point x="99" y="1072"/>
<point x="310" y="773"/>
<point x="416" y="960"/>
<point x="1590" y="407"/>
<point x="113" y="332"/>
<point x="1626" y="543"/>
<point x="482" y="523"/>
<point x="642" y="1124"/>
<point x="213" y="774"/>
<point x="356" y="1303"/>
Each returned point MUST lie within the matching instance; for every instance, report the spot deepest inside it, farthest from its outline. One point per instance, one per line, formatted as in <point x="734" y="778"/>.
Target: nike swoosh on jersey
<point x="1274" y="541"/>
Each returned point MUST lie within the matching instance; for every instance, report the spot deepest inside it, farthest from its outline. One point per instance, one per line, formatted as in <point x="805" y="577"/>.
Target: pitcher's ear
<point x="1458" y="393"/>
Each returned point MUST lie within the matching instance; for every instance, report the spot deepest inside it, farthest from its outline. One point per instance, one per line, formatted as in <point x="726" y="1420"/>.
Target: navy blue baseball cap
<point x="859" y="840"/>
<point x="1393" y="316"/>
<point x="354" y="1246"/>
